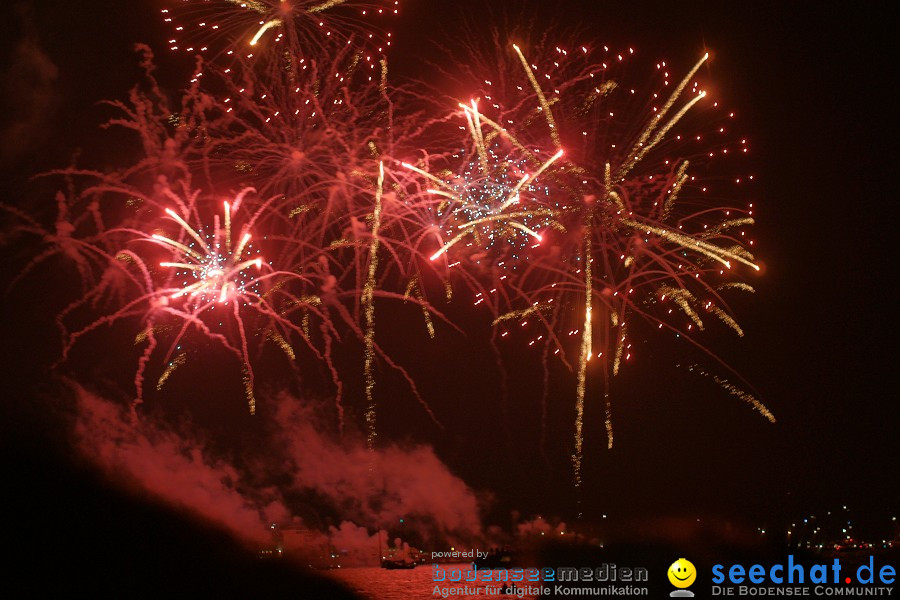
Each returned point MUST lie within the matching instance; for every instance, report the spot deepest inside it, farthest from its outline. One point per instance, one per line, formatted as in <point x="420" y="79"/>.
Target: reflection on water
<point x="376" y="583"/>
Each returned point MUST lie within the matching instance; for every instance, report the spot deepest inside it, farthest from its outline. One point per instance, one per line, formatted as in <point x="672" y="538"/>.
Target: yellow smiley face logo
<point x="682" y="573"/>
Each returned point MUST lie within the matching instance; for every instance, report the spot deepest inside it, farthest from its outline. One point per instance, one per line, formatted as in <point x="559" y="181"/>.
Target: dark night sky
<point x="812" y="89"/>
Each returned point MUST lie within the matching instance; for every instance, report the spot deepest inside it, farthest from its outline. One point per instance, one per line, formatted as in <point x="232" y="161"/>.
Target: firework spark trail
<point x="642" y="147"/>
<point x="368" y="301"/>
<point x="141" y="368"/>
<point x="545" y="106"/>
<point x="413" y="288"/>
<point x="735" y="391"/>
<point x="585" y="354"/>
<point x="174" y="364"/>
<point x="712" y="251"/>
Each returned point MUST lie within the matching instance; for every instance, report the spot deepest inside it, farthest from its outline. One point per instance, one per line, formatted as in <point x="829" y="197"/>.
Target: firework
<point x="271" y="27"/>
<point x="210" y="280"/>
<point x="308" y="142"/>
<point x="494" y="199"/>
<point x="214" y="264"/>
<point x="209" y="267"/>
<point x="646" y="240"/>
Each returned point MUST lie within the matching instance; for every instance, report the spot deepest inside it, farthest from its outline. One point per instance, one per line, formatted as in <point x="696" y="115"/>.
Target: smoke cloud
<point x="146" y="457"/>
<point x="409" y="483"/>
<point x="29" y="84"/>
<point x="367" y="490"/>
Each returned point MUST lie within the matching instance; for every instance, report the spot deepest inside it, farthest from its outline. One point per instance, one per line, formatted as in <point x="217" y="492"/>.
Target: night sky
<point x="811" y="88"/>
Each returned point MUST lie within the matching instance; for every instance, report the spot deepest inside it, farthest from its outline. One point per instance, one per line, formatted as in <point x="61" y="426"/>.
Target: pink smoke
<point x="379" y="489"/>
<point x="175" y="469"/>
<point x="373" y="490"/>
